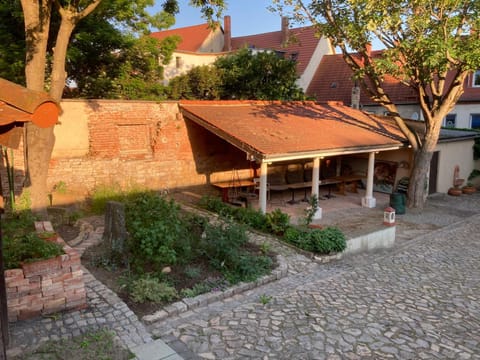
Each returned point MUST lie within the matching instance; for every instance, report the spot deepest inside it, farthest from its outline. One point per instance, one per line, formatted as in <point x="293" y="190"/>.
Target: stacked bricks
<point x="46" y="286"/>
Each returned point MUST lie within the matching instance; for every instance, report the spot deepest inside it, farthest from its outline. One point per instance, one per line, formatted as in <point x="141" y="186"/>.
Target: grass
<point x="99" y="345"/>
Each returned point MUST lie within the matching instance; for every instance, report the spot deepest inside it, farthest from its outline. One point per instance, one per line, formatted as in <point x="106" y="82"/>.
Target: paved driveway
<point x="419" y="301"/>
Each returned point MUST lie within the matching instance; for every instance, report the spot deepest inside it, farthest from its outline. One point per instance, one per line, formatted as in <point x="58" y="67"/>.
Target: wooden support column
<point x="262" y="197"/>
<point x="368" y="200"/>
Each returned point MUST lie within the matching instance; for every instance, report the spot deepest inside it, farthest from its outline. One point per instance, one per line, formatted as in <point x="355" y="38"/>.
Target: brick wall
<point x="45" y="286"/>
<point x="138" y="142"/>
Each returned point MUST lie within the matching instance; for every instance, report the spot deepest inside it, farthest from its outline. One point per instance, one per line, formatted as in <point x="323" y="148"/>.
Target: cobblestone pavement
<point x="417" y="300"/>
<point x="420" y="300"/>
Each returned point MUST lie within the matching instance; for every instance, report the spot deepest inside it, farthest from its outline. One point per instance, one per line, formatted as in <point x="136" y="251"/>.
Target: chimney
<point x="284" y="30"/>
<point x="368" y="48"/>
<point x="227" y="33"/>
<point x="355" y="96"/>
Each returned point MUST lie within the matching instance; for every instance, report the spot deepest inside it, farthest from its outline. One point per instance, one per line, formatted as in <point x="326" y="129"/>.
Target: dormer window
<point x="476" y="79"/>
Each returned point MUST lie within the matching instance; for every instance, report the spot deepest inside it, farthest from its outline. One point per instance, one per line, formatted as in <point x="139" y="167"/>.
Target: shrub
<point x="28" y="248"/>
<point x="155" y="228"/>
<point x="277" y="222"/>
<point x="210" y="284"/>
<point x="320" y="241"/>
<point x="148" y="288"/>
<point x="224" y="244"/>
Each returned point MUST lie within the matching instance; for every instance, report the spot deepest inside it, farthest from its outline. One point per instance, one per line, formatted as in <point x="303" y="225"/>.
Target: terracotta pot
<point x="454" y="192"/>
<point x="468" y="190"/>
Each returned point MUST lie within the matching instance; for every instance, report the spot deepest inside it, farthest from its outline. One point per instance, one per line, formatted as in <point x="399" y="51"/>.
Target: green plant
<point x="155" y="228"/>
<point x="148" y="288"/>
<point x="265" y="299"/>
<point x="192" y="272"/>
<point x="28" y="248"/>
<point x="265" y="248"/>
<point x="210" y="284"/>
<point x="277" y="222"/>
<point x="60" y="187"/>
<point x="475" y="173"/>
<point x="311" y="210"/>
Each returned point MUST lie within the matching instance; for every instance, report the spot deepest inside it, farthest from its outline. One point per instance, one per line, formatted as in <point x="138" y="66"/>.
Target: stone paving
<point x="419" y="300"/>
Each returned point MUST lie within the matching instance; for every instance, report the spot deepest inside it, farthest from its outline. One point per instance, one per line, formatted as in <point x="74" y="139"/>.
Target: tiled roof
<point x="272" y="130"/>
<point x="192" y="36"/>
<point x="302" y="41"/>
<point x="333" y="81"/>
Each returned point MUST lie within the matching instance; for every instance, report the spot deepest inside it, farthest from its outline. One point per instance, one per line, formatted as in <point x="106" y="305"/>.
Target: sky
<point x="247" y="16"/>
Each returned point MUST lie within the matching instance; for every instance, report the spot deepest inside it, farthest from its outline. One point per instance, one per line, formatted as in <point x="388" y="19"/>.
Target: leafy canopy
<point x="261" y="75"/>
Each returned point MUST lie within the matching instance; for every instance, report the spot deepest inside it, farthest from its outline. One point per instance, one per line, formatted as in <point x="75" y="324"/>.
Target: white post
<point x="369" y="201"/>
<point x="315" y="176"/>
<point x="315" y="184"/>
<point x="262" y="197"/>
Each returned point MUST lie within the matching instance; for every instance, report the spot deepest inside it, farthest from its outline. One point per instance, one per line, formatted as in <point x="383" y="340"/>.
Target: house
<point x="201" y="45"/>
<point x="333" y="82"/>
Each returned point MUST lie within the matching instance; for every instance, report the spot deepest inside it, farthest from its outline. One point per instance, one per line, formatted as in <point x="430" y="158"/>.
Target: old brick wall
<point x="137" y="142"/>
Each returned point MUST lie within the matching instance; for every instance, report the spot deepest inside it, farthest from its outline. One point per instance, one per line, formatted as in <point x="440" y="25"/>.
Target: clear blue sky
<point x="248" y="16"/>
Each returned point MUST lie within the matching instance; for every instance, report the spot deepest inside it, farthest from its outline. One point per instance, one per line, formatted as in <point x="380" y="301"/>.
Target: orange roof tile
<point x="192" y="36"/>
<point x="272" y="130"/>
<point x="333" y="81"/>
<point x="303" y="42"/>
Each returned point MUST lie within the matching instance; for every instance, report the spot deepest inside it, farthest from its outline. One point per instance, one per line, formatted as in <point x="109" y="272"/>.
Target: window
<point x="476" y="79"/>
<point x="450" y="120"/>
<point x="178" y="62"/>
<point x="475" y="121"/>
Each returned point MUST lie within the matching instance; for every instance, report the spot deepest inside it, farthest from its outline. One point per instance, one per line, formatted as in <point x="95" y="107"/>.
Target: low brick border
<point x="46" y="286"/>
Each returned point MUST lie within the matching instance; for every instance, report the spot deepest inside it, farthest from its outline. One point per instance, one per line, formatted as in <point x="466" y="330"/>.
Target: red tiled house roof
<point x="275" y="130"/>
<point x="333" y="82"/>
<point x="193" y="37"/>
<point x="301" y="43"/>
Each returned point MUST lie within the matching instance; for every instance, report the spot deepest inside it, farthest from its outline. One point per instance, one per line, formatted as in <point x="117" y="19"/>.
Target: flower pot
<point x="468" y="190"/>
<point x="454" y="191"/>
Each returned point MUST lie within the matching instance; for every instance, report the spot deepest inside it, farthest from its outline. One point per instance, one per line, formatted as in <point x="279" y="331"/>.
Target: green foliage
<point x="147" y="288"/>
<point x="319" y="241"/>
<point x="28" y="248"/>
<point x="265" y="299"/>
<point x="223" y="246"/>
<point x="200" y="82"/>
<point x="154" y="225"/>
<point x="475" y="173"/>
<point x="311" y="210"/>
<point x="262" y="75"/>
<point x="277" y="222"/>
<point x="210" y="284"/>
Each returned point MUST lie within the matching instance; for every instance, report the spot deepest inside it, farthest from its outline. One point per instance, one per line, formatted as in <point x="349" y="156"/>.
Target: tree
<point x="242" y="75"/>
<point x="430" y="46"/>
<point x="201" y="83"/>
<point x="262" y="75"/>
<point x="37" y="15"/>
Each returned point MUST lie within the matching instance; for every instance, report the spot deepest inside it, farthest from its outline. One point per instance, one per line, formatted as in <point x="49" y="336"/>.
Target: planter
<point x="454" y="191"/>
<point x="468" y="190"/>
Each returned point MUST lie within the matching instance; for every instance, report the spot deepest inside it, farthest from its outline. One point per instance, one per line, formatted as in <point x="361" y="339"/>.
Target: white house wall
<point x="188" y="61"/>
<point x="463" y="112"/>
<point x="451" y="154"/>
<point x="324" y="47"/>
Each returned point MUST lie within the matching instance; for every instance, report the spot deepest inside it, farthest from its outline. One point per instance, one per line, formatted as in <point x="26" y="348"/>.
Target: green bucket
<point x="398" y="201"/>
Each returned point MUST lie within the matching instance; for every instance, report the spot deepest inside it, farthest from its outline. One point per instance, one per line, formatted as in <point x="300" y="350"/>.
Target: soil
<point x="97" y="263"/>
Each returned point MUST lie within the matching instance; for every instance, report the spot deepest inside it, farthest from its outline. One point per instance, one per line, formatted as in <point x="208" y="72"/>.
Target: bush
<point x="277" y="222"/>
<point x="148" y="288"/>
<point x="319" y="241"/>
<point x="155" y="228"/>
<point x="224" y="244"/>
<point x="28" y="248"/>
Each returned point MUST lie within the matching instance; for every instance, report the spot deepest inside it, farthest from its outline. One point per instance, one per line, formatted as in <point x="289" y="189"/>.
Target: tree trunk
<point x="418" y="186"/>
<point x="38" y="147"/>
